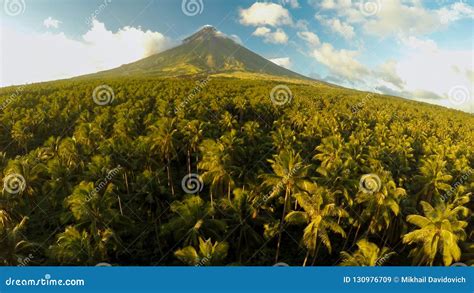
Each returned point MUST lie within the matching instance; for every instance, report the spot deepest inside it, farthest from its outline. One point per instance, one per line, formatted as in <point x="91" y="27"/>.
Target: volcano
<point x="208" y="52"/>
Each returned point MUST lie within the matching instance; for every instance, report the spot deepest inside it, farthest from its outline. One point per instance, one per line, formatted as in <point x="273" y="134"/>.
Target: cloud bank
<point x="46" y="56"/>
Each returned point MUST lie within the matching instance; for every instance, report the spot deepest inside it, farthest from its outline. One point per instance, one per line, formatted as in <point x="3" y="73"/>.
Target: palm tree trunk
<point x="126" y="182"/>
<point x="315" y="253"/>
<point x="280" y="232"/>
<point x="347" y="238"/>
<point x="170" y="180"/>
<point x="356" y="234"/>
<point x="306" y="258"/>
<point x="189" y="162"/>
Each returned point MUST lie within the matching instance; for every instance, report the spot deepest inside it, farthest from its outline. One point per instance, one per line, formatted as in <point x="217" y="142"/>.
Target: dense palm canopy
<point x="367" y="254"/>
<point x="104" y="183"/>
<point x="438" y="233"/>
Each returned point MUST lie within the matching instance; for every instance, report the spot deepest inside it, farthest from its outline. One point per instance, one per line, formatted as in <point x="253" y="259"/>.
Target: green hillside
<point x="218" y="171"/>
<point x="206" y="52"/>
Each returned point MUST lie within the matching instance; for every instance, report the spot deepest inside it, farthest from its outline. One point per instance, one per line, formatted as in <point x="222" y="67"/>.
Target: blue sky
<point x="419" y="49"/>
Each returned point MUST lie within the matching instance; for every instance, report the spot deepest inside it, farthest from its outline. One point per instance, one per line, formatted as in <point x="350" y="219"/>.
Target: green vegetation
<point x="85" y="183"/>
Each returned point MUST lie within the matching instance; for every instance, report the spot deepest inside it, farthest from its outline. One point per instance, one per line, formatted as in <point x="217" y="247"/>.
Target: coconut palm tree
<point x="217" y="164"/>
<point x="367" y="254"/>
<point x="240" y="216"/>
<point x="192" y="219"/>
<point x="380" y="206"/>
<point x="93" y="207"/>
<point x="207" y="254"/>
<point x="193" y="134"/>
<point x="433" y="178"/>
<point x="438" y="233"/>
<point x="79" y="247"/>
<point x="289" y="176"/>
<point x="12" y="240"/>
<point x="320" y="216"/>
<point x="163" y="140"/>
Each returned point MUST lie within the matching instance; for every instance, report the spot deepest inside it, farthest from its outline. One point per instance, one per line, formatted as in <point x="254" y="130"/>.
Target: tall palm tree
<point x="289" y="176"/>
<point x="12" y="241"/>
<point x="163" y="140"/>
<point x="207" y="254"/>
<point x="93" y="207"/>
<point x="33" y="173"/>
<point x="193" y="219"/>
<point x="79" y="247"/>
<point x="193" y="132"/>
<point x="434" y="178"/>
<point x="367" y="254"/>
<point x="380" y="207"/>
<point x="240" y="215"/>
<point x="320" y="217"/>
<point x="438" y="233"/>
<point x="217" y="164"/>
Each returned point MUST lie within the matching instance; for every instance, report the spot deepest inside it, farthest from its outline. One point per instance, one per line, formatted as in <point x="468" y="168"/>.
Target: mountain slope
<point x="206" y="52"/>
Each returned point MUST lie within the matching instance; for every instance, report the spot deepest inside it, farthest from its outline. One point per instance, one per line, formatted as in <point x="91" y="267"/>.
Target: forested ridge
<point x="212" y="171"/>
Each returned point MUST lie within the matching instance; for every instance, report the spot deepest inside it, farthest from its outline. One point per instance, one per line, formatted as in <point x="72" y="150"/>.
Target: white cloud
<point x="284" y="62"/>
<point x="57" y="56"/>
<point x="236" y="39"/>
<point x="394" y="17"/>
<point x="292" y="3"/>
<point x="418" y="44"/>
<point x="311" y="38"/>
<point x="51" y="22"/>
<point x="275" y="37"/>
<point x="263" y="13"/>
<point x="334" y="24"/>
<point x="439" y="71"/>
<point x="387" y="71"/>
<point x="261" y="31"/>
<point x="342" y="63"/>
<point x="455" y="12"/>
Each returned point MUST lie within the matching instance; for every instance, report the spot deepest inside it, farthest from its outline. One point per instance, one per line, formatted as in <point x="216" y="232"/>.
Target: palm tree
<point x="218" y="167"/>
<point x="163" y="141"/>
<point x="367" y="254"/>
<point x="12" y="240"/>
<point x="290" y="176"/>
<point x="208" y="254"/>
<point x="330" y="153"/>
<point x="227" y="121"/>
<point x="193" y="133"/>
<point x="433" y="178"/>
<point x="193" y="219"/>
<point x="93" y="207"/>
<point x="240" y="214"/>
<point x="438" y="233"/>
<point x="320" y="217"/>
<point x="380" y="207"/>
<point x="76" y="247"/>
<point x="32" y="172"/>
